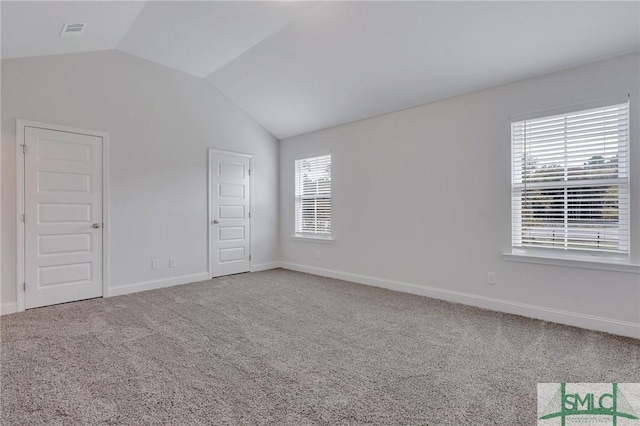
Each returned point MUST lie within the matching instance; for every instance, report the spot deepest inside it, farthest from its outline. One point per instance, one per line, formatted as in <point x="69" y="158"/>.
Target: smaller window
<point x="313" y="196"/>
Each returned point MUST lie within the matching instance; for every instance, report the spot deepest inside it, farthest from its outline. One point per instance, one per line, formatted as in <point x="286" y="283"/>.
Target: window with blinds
<point x="313" y="196"/>
<point x="570" y="182"/>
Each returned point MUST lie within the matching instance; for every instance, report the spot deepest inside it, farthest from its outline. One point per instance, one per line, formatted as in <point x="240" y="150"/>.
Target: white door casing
<point x="229" y="213"/>
<point x="63" y="216"/>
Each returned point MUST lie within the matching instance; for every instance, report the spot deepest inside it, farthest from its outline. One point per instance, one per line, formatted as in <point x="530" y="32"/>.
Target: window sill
<point x="310" y="239"/>
<point x="573" y="262"/>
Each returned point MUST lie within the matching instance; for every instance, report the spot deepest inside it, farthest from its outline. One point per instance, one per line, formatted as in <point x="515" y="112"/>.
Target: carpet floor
<point x="285" y="348"/>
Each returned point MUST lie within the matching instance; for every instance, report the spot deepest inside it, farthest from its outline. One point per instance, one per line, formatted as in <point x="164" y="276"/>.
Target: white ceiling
<point x="32" y="28"/>
<point x="297" y="67"/>
<point x="200" y="37"/>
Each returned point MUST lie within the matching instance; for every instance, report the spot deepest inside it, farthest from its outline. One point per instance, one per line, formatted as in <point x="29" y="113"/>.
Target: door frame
<point x="20" y="199"/>
<point x="211" y="151"/>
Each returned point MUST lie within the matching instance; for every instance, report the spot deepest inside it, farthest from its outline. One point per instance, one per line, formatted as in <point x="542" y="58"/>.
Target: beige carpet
<point x="280" y="347"/>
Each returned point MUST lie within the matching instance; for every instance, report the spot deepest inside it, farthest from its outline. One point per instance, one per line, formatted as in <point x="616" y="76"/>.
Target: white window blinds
<point x="570" y="181"/>
<point x="313" y="196"/>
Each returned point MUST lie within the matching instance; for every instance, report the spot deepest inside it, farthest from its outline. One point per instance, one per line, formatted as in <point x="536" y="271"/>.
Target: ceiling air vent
<point x="72" y="30"/>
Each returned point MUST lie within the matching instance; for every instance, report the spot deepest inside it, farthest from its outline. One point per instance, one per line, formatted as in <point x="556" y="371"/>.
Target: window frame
<point x="299" y="235"/>
<point x="591" y="259"/>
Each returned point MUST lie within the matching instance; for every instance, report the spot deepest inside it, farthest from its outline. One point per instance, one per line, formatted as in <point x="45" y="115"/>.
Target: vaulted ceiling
<point x="297" y="67"/>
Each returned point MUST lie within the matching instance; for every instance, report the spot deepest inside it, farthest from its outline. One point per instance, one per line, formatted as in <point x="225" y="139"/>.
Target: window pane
<point x="313" y="195"/>
<point x="570" y="178"/>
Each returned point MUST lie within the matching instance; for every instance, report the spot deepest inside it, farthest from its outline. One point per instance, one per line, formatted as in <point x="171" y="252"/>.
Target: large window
<point x="313" y="196"/>
<point x="570" y="182"/>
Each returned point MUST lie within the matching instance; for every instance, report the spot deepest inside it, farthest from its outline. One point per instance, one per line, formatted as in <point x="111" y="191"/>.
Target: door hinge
<point x="249" y="257"/>
<point x="24" y="286"/>
<point x="249" y="215"/>
<point x="249" y="172"/>
<point x="24" y="218"/>
<point x="24" y="149"/>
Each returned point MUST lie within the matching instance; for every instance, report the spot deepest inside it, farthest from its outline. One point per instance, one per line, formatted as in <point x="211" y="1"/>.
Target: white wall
<point x="422" y="202"/>
<point x="160" y="122"/>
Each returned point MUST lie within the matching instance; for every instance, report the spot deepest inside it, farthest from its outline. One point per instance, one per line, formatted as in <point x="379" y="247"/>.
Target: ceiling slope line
<point x="133" y="22"/>
<point x="273" y="34"/>
<point x="224" y="95"/>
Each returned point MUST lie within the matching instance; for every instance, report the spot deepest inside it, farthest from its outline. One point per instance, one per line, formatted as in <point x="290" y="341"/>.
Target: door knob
<point x="215" y="221"/>
<point x="96" y="226"/>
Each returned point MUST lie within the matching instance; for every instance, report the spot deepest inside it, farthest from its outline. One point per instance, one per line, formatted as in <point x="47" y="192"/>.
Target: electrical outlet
<point x="491" y="278"/>
<point x="318" y="254"/>
<point x="172" y="262"/>
<point x="155" y="264"/>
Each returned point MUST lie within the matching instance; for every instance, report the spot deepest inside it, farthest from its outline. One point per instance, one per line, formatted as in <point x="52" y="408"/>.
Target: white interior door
<point x="230" y="230"/>
<point x="63" y="217"/>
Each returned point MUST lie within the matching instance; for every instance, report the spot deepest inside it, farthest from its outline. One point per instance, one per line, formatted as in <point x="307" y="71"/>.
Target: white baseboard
<point x="8" y="308"/>
<point x="265" y="266"/>
<point x="154" y="284"/>
<point x="622" y="328"/>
